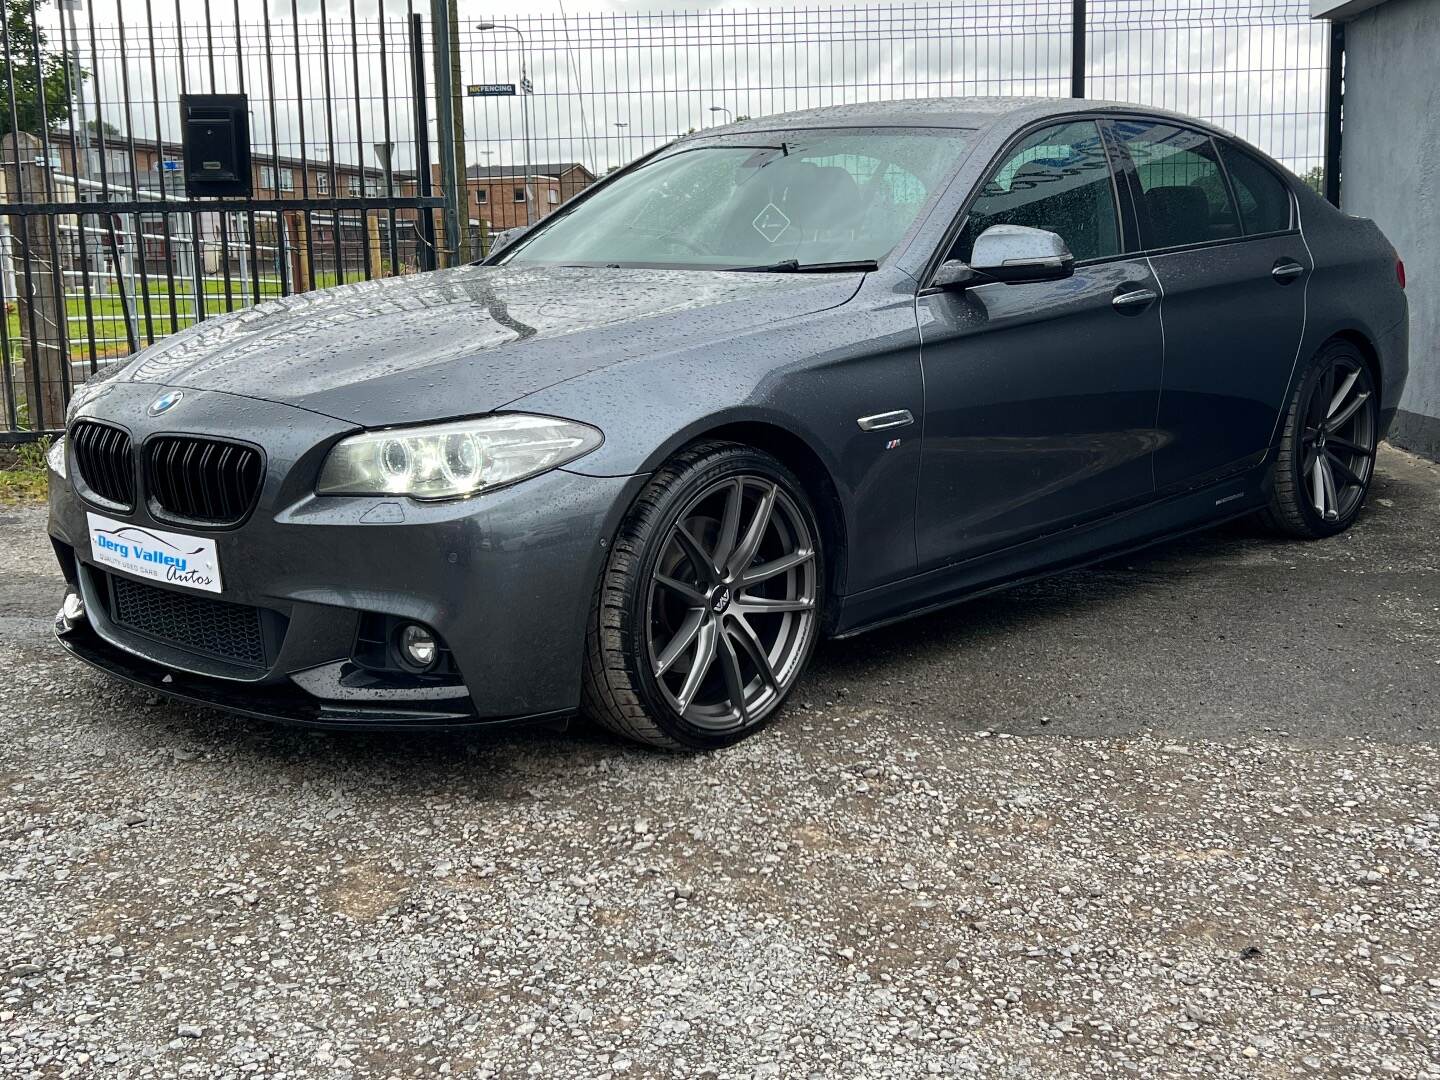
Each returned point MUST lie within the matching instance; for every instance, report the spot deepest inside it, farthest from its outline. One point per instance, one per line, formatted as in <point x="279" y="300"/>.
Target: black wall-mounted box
<point x="215" y="136"/>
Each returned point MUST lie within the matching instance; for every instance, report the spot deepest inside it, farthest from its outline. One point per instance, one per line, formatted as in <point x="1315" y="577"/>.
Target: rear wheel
<point x="709" y="605"/>
<point x="1327" y="452"/>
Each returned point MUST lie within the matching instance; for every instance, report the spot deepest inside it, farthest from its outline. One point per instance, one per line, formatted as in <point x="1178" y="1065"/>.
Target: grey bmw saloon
<point x="794" y="377"/>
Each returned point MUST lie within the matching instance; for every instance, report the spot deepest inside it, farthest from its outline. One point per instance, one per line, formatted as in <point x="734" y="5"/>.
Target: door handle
<point x="1287" y="270"/>
<point x="1134" y="301"/>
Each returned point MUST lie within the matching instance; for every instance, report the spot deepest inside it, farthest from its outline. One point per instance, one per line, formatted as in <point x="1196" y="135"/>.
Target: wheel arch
<point x="800" y="458"/>
<point x="1368" y="351"/>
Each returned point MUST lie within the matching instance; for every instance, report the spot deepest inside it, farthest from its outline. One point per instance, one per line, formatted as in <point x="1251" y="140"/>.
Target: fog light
<point x="418" y="645"/>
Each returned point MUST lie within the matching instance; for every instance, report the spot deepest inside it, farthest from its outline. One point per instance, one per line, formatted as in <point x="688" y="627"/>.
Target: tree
<point x="21" y="82"/>
<point x="1315" y="177"/>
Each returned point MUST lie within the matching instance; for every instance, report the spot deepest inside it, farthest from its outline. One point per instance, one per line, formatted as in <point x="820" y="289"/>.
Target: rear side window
<point x="1263" y="197"/>
<point x="1183" y="195"/>
<point x="1056" y="179"/>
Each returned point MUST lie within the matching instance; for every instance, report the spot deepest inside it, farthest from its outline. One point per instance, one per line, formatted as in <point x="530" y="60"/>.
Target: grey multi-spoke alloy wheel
<point x="1327" y="451"/>
<point x="709" y="605"/>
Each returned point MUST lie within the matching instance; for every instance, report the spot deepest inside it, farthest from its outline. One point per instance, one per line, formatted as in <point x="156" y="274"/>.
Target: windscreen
<point x="815" y="197"/>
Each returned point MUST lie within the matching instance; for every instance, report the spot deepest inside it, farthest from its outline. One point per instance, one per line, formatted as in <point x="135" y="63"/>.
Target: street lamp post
<point x="721" y="108"/>
<point x="525" y="88"/>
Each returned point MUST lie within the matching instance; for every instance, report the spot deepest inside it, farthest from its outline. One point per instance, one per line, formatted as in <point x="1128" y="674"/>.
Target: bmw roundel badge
<point x="166" y="401"/>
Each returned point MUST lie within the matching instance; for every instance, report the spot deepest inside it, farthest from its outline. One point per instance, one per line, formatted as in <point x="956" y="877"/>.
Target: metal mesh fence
<point x="339" y="173"/>
<point x="610" y="87"/>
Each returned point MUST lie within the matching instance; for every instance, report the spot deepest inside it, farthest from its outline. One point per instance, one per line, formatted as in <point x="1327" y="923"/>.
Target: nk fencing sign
<point x="493" y="89"/>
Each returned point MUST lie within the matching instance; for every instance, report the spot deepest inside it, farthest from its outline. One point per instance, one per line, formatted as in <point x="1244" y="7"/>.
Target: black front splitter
<point x="275" y="704"/>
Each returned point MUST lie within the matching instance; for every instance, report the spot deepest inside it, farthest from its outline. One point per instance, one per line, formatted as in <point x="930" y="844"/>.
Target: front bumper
<point x="505" y="579"/>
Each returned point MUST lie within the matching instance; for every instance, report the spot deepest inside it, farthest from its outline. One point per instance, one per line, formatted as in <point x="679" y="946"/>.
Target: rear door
<point x="1232" y="268"/>
<point x="1040" y="398"/>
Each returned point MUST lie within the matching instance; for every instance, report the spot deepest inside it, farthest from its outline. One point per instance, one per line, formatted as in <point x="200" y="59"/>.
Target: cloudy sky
<point x="614" y="78"/>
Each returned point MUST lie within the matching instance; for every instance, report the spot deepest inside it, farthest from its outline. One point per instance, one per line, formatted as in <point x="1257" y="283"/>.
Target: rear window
<point x="1184" y="199"/>
<point x="1263" y="197"/>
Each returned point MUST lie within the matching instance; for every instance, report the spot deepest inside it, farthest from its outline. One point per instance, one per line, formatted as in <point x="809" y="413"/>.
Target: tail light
<point x="1400" y="272"/>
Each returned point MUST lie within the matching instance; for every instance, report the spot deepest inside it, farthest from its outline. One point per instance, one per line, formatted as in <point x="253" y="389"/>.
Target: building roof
<point x="540" y="168"/>
<point x="1339" y="10"/>
<point x="259" y="155"/>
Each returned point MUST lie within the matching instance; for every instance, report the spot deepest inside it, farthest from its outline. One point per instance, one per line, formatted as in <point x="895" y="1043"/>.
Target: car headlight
<point x="455" y="459"/>
<point x="55" y="458"/>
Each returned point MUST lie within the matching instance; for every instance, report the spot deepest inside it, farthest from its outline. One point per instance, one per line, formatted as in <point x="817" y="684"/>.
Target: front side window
<point x="812" y="196"/>
<point x="1263" y="197"/>
<point x="1183" y="195"/>
<point x="1057" y="179"/>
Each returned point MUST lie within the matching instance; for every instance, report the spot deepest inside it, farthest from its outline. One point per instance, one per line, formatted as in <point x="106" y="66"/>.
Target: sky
<point x="614" y="78"/>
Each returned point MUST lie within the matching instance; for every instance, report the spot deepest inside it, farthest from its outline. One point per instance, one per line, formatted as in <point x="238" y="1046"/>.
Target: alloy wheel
<point x="732" y="603"/>
<point x="1338" y="439"/>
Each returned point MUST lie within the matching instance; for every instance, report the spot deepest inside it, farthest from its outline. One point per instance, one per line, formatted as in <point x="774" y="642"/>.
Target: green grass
<point x="22" y="473"/>
<point x="108" y="313"/>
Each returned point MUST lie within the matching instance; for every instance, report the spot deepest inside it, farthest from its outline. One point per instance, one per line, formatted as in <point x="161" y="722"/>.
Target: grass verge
<point x="22" y="473"/>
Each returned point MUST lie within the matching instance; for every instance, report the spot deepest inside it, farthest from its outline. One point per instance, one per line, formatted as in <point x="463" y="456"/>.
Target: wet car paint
<point x="658" y="358"/>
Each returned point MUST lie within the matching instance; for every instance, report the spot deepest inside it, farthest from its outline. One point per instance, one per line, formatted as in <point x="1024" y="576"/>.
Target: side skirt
<point x="1082" y="545"/>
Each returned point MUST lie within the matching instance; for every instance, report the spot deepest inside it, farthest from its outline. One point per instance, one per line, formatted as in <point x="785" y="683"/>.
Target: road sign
<point x="494" y="89"/>
<point x="170" y="165"/>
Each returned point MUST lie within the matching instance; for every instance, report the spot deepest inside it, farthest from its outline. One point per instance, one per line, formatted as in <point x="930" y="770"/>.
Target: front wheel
<point x="709" y="605"/>
<point x="1327" y="451"/>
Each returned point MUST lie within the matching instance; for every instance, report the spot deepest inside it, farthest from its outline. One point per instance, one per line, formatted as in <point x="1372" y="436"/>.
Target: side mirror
<point x="1016" y="254"/>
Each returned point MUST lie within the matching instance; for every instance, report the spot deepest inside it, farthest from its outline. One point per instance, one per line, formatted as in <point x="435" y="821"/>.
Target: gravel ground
<point x="1173" y="816"/>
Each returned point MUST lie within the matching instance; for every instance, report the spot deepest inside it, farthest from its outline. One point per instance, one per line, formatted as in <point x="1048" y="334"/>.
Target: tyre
<point x="709" y="605"/>
<point x="1327" y="450"/>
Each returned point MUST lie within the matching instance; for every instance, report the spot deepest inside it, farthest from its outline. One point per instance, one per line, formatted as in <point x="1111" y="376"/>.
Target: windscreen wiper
<point x="795" y="266"/>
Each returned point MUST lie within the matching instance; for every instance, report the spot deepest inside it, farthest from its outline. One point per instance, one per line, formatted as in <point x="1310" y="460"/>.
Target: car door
<point x="1040" y="398"/>
<point x="1232" y="267"/>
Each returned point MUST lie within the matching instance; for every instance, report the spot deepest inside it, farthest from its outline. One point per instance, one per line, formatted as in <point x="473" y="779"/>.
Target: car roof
<point x="969" y="113"/>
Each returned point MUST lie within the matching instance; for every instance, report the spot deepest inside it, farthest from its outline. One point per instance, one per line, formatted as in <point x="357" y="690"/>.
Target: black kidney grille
<point x="196" y="624"/>
<point x="105" y="461"/>
<point x="203" y="479"/>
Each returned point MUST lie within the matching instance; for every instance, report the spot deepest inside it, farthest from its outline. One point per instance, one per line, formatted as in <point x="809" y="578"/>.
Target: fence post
<point x="41" y="302"/>
<point x="1334" y="110"/>
<point x="372" y="238"/>
<point x="1077" y="48"/>
<point x="425" y="217"/>
<point x="441" y="32"/>
<point x="300" y="250"/>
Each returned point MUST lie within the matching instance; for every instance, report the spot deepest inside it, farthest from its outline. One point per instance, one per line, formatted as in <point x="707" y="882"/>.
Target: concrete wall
<point x="1391" y="173"/>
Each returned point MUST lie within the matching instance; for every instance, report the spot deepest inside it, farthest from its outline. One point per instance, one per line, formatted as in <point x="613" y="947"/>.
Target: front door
<point x="1232" y="268"/>
<point x="1040" y="399"/>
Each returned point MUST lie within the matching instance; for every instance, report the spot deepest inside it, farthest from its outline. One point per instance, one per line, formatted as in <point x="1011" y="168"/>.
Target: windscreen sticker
<point x="771" y="223"/>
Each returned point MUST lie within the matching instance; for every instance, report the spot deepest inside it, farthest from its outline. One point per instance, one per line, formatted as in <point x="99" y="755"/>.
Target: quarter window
<point x="1264" y="199"/>
<point x="1057" y="179"/>
<point x="1183" y="195"/>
